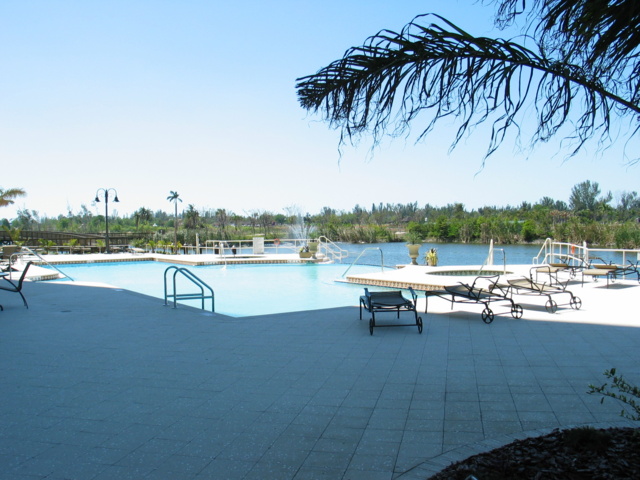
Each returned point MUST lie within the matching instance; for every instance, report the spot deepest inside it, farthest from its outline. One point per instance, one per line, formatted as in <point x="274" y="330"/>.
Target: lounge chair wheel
<point x="516" y="311"/>
<point x="575" y="303"/>
<point x="371" y="325"/>
<point x="487" y="315"/>
<point x="551" y="306"/>
<point x="419" y="323"/>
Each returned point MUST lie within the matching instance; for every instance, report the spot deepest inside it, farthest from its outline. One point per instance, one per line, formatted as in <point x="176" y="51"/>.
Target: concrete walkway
<point x="99" y="383"/>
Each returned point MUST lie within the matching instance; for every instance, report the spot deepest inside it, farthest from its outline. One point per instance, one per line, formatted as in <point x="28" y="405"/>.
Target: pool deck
<point x="193" y="260"/>
<point x="425" y="278"/>
<point x="39" y="274"/>
<point x="102" y="383"/>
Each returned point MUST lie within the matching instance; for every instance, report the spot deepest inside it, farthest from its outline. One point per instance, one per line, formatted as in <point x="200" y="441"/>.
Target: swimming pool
<point x="245" y="290"/>
<point x="240" y="290"/>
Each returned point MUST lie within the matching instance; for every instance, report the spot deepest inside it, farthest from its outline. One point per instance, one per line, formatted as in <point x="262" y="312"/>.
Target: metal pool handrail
<point x="489" y="259"/>
<point x="36" y="254"/>
<point x="362" y="253"/>
<point x="331" y="249"/>
<point x="187" y="296"/>
<point x="504" y="259"/>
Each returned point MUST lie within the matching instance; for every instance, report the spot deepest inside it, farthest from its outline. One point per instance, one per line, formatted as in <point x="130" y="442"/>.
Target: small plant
<point x="72" y="244"/>
<point x="47" y="245"/>
<point x="431" y="257"/>
<point x="414" y="238"/>
<point x="14" y="234"/>
<point x="626" y="393"/>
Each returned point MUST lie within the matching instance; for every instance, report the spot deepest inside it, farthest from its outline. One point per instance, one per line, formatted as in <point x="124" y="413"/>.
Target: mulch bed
<point x="575" y="454"/>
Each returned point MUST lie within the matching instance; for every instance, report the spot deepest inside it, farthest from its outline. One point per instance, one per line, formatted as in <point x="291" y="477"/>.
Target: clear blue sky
<point x="199" y="97"/>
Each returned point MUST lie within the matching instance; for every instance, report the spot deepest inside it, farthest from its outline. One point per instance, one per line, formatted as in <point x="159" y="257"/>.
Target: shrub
<point x="626" y="393"/>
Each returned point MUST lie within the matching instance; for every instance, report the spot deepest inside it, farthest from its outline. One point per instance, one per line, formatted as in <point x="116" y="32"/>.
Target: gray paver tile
<point x="366" y="461"/>
<point x="270" y="470"/>
<point x="354" y="474"/>
<point x="340" y="432"/>
<point x="139" y="393"/>
<point x="225" y="469"/>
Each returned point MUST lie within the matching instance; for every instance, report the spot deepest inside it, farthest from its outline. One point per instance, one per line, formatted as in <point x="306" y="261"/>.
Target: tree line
<point x="590" y="216"/>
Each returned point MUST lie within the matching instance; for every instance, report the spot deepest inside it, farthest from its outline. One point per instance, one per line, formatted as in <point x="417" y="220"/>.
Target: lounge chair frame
<point x="630" y="269"/>
<point x="528" y="286"/>
<point x="16" y="288"/>
<point x="553" y="269"/>
<point x="389" y="301"/>
<point x="610" y="271"/>
<point x="490" y="291"/>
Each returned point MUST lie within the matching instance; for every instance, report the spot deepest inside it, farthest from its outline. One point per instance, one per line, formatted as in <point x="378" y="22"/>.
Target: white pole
<point x="490" y="257"/>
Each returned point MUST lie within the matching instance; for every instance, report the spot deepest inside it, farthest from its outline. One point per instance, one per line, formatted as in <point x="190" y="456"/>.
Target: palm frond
<point x="8" y="196"/>
<point x="441" y="70"/>
<point x="601" y="35"/>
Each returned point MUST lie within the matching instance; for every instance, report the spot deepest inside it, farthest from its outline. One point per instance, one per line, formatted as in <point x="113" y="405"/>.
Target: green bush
<point x="528" y="231"/>
<point x="626" y="393"/>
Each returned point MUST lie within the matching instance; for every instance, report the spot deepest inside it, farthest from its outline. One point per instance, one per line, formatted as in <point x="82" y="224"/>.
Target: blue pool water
<point x="240" y="290"/>
<point x="245" y="290"/>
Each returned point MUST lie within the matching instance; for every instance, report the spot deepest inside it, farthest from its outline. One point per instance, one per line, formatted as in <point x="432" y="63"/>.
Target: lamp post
<point x="105" y="194"/>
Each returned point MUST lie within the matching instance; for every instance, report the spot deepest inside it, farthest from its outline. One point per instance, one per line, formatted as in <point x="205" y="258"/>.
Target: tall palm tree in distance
<point x="143" y="215"/>
<point x="174" y="197"/>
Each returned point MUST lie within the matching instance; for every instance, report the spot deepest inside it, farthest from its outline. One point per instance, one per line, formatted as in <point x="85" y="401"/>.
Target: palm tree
<point x="222" y="219"/>
<point x="7" y="196"/>
<point x="143" y="215"/>
<point x="174" y="197"/>
<point x="192" y="220"/>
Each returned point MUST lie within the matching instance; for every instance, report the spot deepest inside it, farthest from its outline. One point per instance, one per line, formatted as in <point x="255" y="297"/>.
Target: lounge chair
<point x="552" y="270"/>
<point x="389" y="301"/>
<point x="527" y="286"/>
<point x="16" y="288"/>
<point x="484" y="290"/>
<point x="630" y="269"/>
<point x="570" y="265"/>
<point x="600" y="268"/>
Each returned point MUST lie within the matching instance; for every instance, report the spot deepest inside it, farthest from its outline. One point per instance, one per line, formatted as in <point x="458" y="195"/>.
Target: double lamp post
<point x="105" y="196"/>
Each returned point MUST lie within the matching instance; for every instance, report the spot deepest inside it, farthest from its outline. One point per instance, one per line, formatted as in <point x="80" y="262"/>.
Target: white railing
<point x="625" y="252"/>
<point x="228" y="248"/>
<point x="327" y="249"/>
<point x="331" y="250"/>
<point x="580" y="255"/>
<point x="562" y="252"/>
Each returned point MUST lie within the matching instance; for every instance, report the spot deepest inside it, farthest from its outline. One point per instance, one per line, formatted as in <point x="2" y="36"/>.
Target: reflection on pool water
<point x="240" y="290"/>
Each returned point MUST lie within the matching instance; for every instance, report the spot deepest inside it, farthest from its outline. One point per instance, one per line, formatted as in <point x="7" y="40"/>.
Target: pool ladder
<point x="187" y="296"/>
